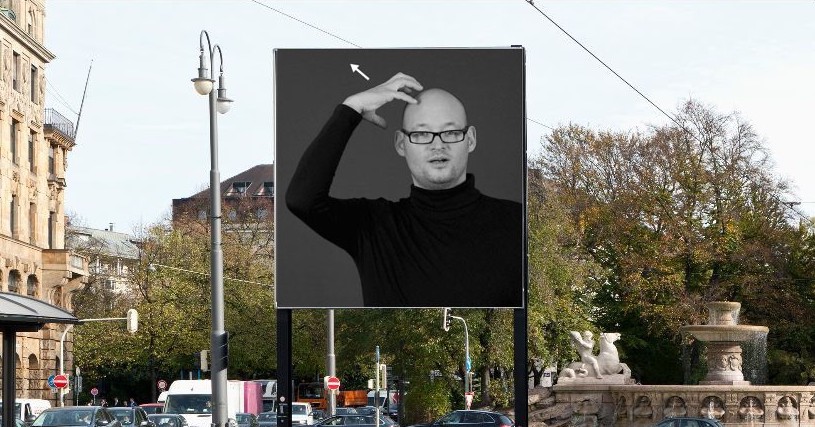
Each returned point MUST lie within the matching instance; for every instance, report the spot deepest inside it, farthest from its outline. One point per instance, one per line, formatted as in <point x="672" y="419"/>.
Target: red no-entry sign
<point x="61" y="381"/>
<point x="332" y="383"/>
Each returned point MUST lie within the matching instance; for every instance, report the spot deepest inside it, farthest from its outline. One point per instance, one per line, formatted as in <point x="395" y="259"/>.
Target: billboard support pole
<point x="284" y="370"/>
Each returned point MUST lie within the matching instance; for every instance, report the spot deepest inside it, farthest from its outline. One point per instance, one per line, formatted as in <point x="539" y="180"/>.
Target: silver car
<point x="76" y="416"/>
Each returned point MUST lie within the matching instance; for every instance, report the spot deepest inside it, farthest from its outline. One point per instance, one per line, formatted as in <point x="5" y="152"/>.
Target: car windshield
<point x="74" y="417"/>
<point x="188" y="404"/>
<point x="242" y="418"/>
<point x="267" y="417"/>
<point x="164" y="421"/>
<point x="298" y="409"/>
<point x="124" y="415"/>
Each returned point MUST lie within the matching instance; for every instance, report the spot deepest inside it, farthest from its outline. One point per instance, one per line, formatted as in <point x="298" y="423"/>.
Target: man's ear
<point x="470" y="139"/>
<point x="399" y="142"/>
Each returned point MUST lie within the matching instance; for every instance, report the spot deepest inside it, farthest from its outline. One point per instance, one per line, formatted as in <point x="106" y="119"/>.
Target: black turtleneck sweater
<point x="436" y="248"/>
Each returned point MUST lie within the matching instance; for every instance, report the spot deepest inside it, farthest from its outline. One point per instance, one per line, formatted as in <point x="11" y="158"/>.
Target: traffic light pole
<point x="467" y="361"/>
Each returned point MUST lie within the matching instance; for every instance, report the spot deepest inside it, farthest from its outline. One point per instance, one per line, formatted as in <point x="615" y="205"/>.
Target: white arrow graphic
<point x="355" y="69"/>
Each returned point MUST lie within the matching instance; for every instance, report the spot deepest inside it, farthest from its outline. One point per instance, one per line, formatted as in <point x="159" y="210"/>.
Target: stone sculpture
<point x="604" y="367"/>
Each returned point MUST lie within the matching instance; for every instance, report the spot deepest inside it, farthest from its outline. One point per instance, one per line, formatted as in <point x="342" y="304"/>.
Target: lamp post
<point x="218" y="336"/>
<point x="132" y="326"/>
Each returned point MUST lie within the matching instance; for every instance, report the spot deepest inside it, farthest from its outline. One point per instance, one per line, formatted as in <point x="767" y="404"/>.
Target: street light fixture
<point x="132" y="319"/>
<point x="218" y="336"/>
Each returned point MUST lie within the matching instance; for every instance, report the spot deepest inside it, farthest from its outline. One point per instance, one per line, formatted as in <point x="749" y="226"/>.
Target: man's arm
<point x="307" y="196"/>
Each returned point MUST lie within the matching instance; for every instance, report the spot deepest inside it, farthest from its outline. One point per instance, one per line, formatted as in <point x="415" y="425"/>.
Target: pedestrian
<point x="132" y="402"/>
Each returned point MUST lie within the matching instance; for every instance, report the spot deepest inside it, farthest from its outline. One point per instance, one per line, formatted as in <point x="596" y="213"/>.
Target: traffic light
<point x="383" y="375"/>
<point x="445" y="321"/>
<point x="132" y="320"/>
<point x="203" y="360"/>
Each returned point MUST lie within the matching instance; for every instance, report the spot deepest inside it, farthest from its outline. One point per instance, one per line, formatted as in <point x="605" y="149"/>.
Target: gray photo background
<point x="310" y="83"/>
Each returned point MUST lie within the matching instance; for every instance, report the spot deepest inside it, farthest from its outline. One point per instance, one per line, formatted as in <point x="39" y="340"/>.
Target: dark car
<point x="168" y="420"/>
<point x="80" y="416"/>
<point x="471" y="419"/>
<point x="356" y="420"/>
<point x="131" y="416"/>
<point x="689" y="422"/>
<point x="246" y="419"/>
<point x="267" y="419"/>
<point x="152" y="408"/>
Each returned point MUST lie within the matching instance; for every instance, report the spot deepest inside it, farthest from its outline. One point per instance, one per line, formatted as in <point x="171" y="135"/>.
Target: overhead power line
<point x="344" y="40"/>
<point x="670" y="117"/>
<point x="305" y="23"/>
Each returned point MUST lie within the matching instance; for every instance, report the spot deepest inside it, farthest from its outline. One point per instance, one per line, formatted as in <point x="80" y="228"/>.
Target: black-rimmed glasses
<point x="446" y="136"/>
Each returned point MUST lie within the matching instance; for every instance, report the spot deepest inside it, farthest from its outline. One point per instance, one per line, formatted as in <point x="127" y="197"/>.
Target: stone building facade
<point x="34" y="142"/>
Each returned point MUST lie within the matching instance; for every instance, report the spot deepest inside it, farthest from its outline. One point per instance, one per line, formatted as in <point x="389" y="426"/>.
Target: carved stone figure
<point x="675" y="407"/>
<point x="787" y="409"/>
<point x="606" y="363"/>
<point x="750" y="409"/>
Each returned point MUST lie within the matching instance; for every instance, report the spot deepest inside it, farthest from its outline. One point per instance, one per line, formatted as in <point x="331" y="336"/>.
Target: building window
<point x="13" y="140"/>
<point x="33" y="87"/>
<point x="33" y="286"/>
<point x="240" y="187"/>
<point x="32" y="223"/>
<point x="52" y="225"/>
<point x="13" y="217"/>
<point x="32" y="138"/>
<point x="14" y="281"/>
<point x="268" y="188"/>
<point x="51" y="161"/>
<point x="15" y="72"/>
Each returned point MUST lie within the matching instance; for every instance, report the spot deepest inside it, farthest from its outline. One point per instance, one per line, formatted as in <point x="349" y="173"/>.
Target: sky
<point x="143" y="137"/>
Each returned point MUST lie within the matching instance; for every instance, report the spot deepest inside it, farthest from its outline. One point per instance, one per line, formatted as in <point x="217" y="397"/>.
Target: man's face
<point x="437" y="165"/>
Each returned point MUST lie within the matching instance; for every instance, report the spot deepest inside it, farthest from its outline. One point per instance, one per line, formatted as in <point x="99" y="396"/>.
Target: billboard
<point x="400" y="178"/>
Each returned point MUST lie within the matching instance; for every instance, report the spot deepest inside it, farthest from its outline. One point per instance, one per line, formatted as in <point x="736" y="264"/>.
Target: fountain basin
<point x="724" y="333"/>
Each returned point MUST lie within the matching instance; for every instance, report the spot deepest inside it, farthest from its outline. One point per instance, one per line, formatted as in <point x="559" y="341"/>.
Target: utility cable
<point x="670" y="117"/>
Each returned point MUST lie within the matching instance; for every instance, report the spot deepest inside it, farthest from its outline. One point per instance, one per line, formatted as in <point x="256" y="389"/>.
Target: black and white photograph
<point x="400" y="179"/>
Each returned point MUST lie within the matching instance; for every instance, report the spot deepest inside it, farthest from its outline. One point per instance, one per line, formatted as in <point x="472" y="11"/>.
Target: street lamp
<point x="446" y="320"/>
<point x="132" y="327"/>
<point x="218" y="336"/>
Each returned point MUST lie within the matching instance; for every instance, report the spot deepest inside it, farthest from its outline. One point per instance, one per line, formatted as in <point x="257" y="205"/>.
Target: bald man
<point x="446" y="245"/>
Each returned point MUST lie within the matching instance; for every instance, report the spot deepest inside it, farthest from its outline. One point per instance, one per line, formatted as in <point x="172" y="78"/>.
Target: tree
<point x="676" y="216"/>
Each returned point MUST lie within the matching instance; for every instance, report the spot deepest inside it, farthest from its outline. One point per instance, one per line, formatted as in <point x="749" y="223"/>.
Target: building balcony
<point x="69" y="263"/>
<point x="59" y="128"/>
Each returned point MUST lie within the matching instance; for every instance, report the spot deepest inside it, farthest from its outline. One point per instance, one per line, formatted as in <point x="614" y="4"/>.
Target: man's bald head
<point x="436" y="103"/>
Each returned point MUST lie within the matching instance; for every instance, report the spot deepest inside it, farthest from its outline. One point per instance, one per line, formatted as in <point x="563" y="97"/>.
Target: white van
<point x="301" y="413"/>
<point x="28" y="409"/>
<point x="192" y="399"/>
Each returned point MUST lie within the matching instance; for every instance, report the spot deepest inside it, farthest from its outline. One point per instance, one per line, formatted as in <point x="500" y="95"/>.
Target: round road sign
<point x="94" y="391"/>
<point x="51" y="381"/>
<point x="332" y="383"/>
<point x="61" y="381"/>
<point x="162" y="385"/>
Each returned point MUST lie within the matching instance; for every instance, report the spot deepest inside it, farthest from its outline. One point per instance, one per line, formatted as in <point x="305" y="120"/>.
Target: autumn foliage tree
<point x="677" y="215"/>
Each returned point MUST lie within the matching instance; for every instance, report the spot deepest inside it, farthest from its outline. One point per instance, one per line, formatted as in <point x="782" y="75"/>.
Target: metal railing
<point x="57" y="121"/>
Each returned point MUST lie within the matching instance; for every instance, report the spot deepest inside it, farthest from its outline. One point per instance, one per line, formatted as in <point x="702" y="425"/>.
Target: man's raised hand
<point x="397" y="87"/>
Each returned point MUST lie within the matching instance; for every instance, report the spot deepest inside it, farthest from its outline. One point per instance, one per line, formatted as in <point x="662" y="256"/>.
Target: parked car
<point x="17" y="422"/>
<point x="246" y="419"/>
<point x="471" y="419"/>
<point x="345" y="411"/>
<point x="689" y="422"/>
<point x="168" y="420"/>
<point x="80" y="416"/>
<point x="267" y="419"/>
<point x="356" y="420"/>
<point x="152" y="408"/>
<point x="318" y="414"/>
<point x="131" y="416"/>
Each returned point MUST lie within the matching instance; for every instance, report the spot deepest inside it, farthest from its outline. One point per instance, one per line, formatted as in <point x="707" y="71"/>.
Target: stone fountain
<point x="599" y="391"/>
<point x="724" y="336"/>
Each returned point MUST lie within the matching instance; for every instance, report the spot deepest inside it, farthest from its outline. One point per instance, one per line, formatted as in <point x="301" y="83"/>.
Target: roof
<point x="30" y="312"/>
<point x="109" y="243"/>
<point x="256" y="176"/>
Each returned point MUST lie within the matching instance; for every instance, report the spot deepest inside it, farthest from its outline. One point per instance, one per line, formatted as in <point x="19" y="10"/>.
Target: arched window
<point x="33" y="374"/>
<point x="33" y="286"/>
<point x="14" y="281"/>
<point x="19" y="380"/>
